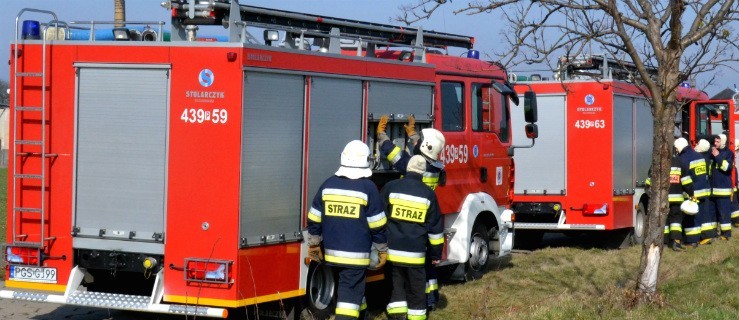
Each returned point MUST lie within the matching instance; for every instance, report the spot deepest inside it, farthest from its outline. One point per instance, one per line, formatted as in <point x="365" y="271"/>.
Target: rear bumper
<point x="559" y="225"/>
<point x="152" y="304"/>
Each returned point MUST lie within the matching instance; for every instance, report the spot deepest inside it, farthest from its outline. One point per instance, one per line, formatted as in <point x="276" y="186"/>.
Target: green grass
<point x="576" y="283"/>
<point x="3" y="214"/>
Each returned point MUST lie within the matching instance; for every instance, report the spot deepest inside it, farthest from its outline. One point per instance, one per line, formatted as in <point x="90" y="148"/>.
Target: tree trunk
<point x="120" y="12"/>
<point x="664" y="115"/>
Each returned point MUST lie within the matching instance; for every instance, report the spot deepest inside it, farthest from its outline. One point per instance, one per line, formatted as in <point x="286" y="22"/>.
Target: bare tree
<point x="4" y="96"/>
<point x="119" y="14"/>
<point x="677" y="37"/>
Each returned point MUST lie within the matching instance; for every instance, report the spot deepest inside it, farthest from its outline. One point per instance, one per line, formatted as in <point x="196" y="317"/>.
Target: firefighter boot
<point x="677" y="246"/>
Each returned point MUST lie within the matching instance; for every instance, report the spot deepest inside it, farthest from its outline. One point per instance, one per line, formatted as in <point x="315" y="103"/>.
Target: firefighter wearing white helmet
<point x="696" y="168"/>
<point x="719" y="220"/>
<point x="415" y="236"/>
<point x="681" y="184"/>
<point x="428" y="144"/>
<point x="347" y="215"/>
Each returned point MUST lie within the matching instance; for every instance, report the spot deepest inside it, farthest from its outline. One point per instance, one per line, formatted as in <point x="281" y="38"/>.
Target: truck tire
<point x="319" y="301"/>
<point x="479" y="252"/>
<point x="640" y="224"/>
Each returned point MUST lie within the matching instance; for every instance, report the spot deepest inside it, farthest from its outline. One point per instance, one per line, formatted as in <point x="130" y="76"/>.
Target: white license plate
<point x="33" y="274"/>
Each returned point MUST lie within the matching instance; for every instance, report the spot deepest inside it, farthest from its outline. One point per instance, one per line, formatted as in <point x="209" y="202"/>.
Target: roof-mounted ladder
<point x="236" y="17"/>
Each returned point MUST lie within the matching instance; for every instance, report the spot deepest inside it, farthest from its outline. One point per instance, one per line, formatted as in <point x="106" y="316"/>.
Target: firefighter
<point x="721" y="190"/>
<point x="701" y="190"/>
<point x="414" y="228"/>
<point x="429" y="145"/>
<point x="706" y="227"/>
<point x="347" y="215"/>
<point x="680" y="184"/>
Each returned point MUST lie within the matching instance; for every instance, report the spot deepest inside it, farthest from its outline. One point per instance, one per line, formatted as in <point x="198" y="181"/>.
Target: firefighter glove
<point x="410" y="128"/>
<point x="382" y="257"/>
<point x="381" y="127"/>
<point x="315" y="254"/>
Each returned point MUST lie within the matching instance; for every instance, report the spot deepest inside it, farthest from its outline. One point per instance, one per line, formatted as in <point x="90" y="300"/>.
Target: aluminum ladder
<point x="25" y="149"/>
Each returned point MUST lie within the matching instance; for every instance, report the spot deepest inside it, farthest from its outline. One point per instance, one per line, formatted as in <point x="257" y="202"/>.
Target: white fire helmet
<point x="680" y="144"/>
<point x="431" y="144"/>
<point x="722" y="141"/>
<point x="689" y="207"/>
<point x="355" y="161"/>
<point x="702" y="146"/>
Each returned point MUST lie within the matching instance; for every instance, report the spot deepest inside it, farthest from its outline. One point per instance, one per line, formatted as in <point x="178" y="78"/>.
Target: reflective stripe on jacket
<point x="349" y="215"/>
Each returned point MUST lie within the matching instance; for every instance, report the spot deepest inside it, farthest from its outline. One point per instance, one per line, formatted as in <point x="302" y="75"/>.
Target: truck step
<point x="32" y="142"/>
<point x="28" y="244"/>
<point x="109" y="300"/>
<point x="29" y="74"/>
<point x="26" y="108"/>
<point x="29" y="176"/>
<point x="36" y="210"/>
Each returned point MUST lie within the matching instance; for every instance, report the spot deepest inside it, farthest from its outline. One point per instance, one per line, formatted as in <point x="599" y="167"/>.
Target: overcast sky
<point x="484" y="27"/>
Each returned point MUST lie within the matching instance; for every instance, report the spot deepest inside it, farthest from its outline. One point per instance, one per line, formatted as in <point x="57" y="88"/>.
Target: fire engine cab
<point x="174" y="176"/>
<point x="587" y="171"/>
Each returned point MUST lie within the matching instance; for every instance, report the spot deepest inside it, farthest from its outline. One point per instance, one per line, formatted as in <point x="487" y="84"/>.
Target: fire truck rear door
<point x="541" y="169"/>
<point x="120" y="157"/>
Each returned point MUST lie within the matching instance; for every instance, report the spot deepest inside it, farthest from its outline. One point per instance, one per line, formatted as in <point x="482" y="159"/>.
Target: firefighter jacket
<point x="349" y="215"/>
<point x="721" y="167"/>
<point x="698" y="172"/>
<point x="399" y="159"/>
<point x="414" y="220"/>
<point x="681" y="184"/>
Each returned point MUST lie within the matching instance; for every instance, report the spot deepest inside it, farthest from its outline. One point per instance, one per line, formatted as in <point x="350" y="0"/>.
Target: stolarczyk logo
<point x="206" y="78"/>
<point x="589" y="99"/>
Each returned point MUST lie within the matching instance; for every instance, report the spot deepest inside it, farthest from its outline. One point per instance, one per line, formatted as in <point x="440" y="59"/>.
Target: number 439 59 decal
<point x="217" y="116"/>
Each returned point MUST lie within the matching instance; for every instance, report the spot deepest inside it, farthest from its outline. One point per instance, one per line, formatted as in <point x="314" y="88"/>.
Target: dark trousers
<point x="409" y="290"/>
<point x="723" y="210"/>
<point x="735" y="209"/>
<point x="708" y="220"/>
<point x="351" y="292"/>
<point x="432" y="284"/>
<point x="675" y="222"/>
<point x="692" y="223"/>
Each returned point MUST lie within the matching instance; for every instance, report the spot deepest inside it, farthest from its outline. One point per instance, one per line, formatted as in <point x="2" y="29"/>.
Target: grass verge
<point x="576" y="283"/>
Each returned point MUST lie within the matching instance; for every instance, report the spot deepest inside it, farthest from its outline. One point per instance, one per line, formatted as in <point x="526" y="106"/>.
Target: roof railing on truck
<point x="188" y="14"/>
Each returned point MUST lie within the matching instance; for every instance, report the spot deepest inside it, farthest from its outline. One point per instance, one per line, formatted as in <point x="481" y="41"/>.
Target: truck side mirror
<point x="532" y="131"/>
<point x="530" y="113"/>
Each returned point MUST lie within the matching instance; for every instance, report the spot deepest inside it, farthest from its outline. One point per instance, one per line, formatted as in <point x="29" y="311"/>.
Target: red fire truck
<point x="174" y="177"/>
<point x="586" y="172"/>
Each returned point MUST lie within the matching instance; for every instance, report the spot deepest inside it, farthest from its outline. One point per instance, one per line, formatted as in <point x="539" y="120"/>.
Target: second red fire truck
<point x="587" y="171"/>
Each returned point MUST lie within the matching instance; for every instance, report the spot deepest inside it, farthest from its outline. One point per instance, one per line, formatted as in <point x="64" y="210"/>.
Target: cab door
<point x="451" y="106"/>
<point x="489" y="137"/>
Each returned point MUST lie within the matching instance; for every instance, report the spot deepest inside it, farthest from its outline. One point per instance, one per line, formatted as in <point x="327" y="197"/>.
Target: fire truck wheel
<point x="640" y="224"/>
<point x="320" y="296"/>
<point x="479" y="252"/>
